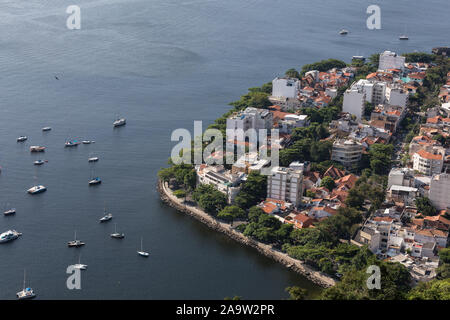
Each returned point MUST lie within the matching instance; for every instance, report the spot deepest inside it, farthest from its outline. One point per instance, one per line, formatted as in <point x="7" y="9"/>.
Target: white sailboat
<point x="116" y="234"/>
<point x="26" y="293"/>
<point x="75" y="243"/>
<point x="142" y="252"/>
<point x="79" y="265"/>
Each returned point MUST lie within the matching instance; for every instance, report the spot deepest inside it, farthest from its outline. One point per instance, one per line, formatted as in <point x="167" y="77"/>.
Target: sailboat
<point x="404" y="36"/>
<point x="79" y="265"/>
<point x="142" y="252"/>
<point x="94" y="181"/>
<point x="75" y="243"/>
<point x="106" y="217"/>
<point x="26" y="293"/>
<point x="116" y="234"/>
<point x="92" y="158"/>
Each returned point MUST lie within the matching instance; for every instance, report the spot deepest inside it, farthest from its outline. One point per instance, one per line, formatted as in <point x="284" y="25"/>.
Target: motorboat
<point x="93" y="159"/>
<point x="39" y="162"/>
<point x="22" y="138"/>
<point x="37" y="189"/>
<point x="37" y="149"/>
<point x="46" y="129"/>
<point x="95" y="181"/>
<point x="119" y="122"/>
<point x="88" y="141"/>
<point x="71" y="143"/>
<point x="343" y="32"/>
<point x="9" y="212"/>
<point x="26" y="293"/>
<point x="9" y="235"/>
<point x="403" y="37"/>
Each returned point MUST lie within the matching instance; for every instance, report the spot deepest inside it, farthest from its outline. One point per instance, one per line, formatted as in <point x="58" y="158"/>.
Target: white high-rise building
<point x="354" y="99"/>
<point x="374" y="91"/>
<point x="285" y="184"/>
<point x="440" y="191"/>
<point x="390" y="60"/>
<point x="396" y="96"/>
<point x="285" y="87"/>
<point x="250" y="118"/>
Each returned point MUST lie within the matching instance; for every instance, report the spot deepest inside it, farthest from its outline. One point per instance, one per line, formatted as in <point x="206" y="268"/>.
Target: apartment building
<point x="428" y="163"/>
<point x="285" y="184"/>
<point x="439" y="193"/>
<point x="285" y="87"/>
<point x="390" y="60"/>
<point x="354" y="101"/>
<point x="347" y="152"/>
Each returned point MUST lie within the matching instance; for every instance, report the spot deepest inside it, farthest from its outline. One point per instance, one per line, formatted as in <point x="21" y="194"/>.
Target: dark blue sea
<point x="162" y="65"/>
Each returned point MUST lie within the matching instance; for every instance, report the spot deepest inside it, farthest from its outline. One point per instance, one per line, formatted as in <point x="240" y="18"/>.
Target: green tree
<point x="425" y="207"/>
<point x="231" y="213"/>
<point x="253" y="191"/>
<point x="296" y="293"/>
<point x="328" y="183"/>
<point x="433" y="290"/>
<point x="292" y="73"/>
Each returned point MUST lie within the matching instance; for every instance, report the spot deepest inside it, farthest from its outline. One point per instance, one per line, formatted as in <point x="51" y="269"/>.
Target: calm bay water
<point x="162" y="65"/>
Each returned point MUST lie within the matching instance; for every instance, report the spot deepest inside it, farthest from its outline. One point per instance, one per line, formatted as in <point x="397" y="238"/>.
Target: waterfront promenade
<point x="315" y="276"/>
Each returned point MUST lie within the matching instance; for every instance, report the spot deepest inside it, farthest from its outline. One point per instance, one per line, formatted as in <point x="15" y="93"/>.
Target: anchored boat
<point x="119" y="122"/>
<point x="37" y="189"/>
<point x="75" y="243"/>
<point x="9" y="235"/>
<point x="37" y="149"/>
<point x="26" y="293"/>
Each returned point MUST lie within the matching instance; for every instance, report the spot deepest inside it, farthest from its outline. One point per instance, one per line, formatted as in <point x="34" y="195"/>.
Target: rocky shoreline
<point x="314" y="276"/>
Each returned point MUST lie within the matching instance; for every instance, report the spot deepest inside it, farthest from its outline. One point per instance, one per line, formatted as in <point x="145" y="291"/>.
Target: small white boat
<point x="37" y="149"/>
<point x="9" y="212"/>
<point x="46" y="129"/>
<point x="95" y="181"/>
<point x="93" y="159"/>
<point x="119" y="122"/>
<point x="116" y="234"/>
<point x="403" y="37"/>
<point x="26" y="293"/>
<point x="37" y="189"/>
<point x="106" y="217"/>
<point x="9" y="235"/>
<point x="79" y="265"/>
<point x="88" y="141"/>
<point x="22" y="138"/>
<point x="75" y="243"/>
<point x="39" y="162"/>
<point x="142" y="253"/>
<point x="343" y="32"/>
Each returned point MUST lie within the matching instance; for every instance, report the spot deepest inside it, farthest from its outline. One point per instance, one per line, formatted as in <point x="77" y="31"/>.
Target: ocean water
<point x="162" y="65"/>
